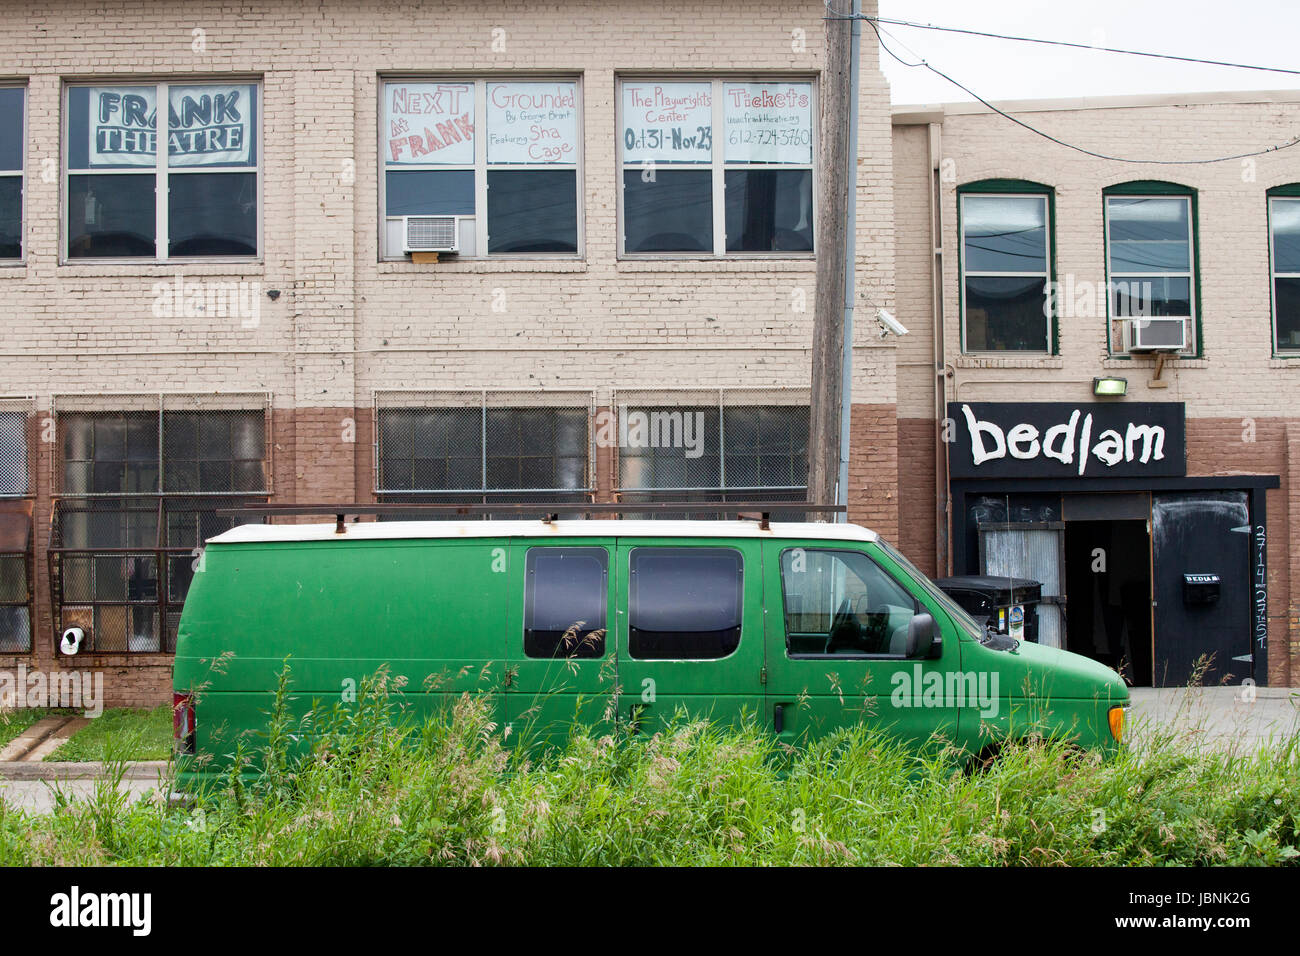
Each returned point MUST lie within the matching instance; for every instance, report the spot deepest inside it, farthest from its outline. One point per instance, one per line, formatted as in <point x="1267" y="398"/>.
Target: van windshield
<point x="955" y="611"/>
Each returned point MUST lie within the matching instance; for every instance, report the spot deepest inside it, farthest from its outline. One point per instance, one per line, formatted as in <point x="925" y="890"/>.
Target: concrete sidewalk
<point x="1224" y="717"/>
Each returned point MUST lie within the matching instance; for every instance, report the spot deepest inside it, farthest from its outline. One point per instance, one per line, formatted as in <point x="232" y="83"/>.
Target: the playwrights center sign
<point x="1066" y="440"/>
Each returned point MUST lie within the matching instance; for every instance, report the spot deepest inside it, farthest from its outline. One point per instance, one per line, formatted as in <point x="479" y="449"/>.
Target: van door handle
<point x="778" y="718"/>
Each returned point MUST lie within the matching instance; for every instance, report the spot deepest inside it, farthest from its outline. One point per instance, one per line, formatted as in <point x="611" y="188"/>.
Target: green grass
<point x="14" y="722"/>
<point x="131" y="734"/>
<point x="446" y="792"/>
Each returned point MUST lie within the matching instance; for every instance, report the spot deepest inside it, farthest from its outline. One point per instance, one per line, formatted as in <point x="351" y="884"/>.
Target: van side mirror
<point x="921" y="637"/>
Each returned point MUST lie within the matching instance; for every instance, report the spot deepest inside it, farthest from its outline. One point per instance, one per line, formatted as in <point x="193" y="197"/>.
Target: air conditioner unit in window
<point x="1155" y="335"/>
<point x="431" y="233"/>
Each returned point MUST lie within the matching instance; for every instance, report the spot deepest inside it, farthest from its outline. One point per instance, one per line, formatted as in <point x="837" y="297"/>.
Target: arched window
<point x="1006" y="265"/>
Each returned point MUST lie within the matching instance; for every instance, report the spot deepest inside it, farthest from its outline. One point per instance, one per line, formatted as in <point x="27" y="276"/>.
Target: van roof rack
<point x="760" y="511"/>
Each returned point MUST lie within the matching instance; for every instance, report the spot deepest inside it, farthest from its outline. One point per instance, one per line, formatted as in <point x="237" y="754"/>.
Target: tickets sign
<point x="428" y="123"/>
<point x="768" y="122"/>
<point x="667" y="122"/>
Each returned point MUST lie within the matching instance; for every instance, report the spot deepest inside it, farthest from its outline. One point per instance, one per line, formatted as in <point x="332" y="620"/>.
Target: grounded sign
<point x="1062" y="439"/>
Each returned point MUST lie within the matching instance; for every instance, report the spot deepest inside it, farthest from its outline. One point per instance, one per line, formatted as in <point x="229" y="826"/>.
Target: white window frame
<point x="718" y="164"/>
<point x="1274" y="275"/>
<point x="1045" y="274"/>
<point x="480" y="166"/>
<point x="162" y="172"/>
<point x="21" y="174"/>
<point x="1117" y="348"/>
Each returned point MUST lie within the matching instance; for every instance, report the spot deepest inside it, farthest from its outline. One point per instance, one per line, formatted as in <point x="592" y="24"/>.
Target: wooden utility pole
<point x="837" y="103"/>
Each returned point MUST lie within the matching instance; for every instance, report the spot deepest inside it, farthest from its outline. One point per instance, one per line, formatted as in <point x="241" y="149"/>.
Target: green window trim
<point x="1009" y="187"/>
<point x="1286" y="191"/>
<point x="1155" y="187"/>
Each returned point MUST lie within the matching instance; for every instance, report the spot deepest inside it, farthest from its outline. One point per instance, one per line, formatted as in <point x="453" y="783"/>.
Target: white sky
<point x="1261" y="32"/>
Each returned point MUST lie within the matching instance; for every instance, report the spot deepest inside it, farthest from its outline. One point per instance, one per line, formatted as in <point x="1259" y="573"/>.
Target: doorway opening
<point x="1108" y="580"/>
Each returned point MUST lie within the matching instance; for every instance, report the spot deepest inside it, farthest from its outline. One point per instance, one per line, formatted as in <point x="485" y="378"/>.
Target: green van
<point x="804" y="627"/>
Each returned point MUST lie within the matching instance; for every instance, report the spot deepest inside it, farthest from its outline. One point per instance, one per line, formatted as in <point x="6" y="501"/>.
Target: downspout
<point x="943" y="503"/>
<point x="850" y="255"/>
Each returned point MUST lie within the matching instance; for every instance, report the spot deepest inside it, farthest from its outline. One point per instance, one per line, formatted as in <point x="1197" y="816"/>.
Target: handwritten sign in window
<point x="429" y="124"/>
<point x="768" y="122"/>
<point x="532" y="123"/>
<point x="667" y="122"/>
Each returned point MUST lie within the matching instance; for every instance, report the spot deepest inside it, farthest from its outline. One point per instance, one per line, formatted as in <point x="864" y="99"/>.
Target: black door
<point x="1195" y="538"/>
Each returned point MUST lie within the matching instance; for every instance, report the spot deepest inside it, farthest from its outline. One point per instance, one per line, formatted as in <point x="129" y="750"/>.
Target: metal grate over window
<point x="15" y="463"/>
<point x="484" y="445"/>
<point x="16" y="577"/>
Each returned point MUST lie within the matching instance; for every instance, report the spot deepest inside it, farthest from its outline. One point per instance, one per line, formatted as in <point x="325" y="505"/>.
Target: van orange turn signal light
<point x="1116" y="717"/>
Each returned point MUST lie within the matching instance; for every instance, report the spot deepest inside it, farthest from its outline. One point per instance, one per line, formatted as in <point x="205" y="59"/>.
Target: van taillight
<point x="183" y="723"/>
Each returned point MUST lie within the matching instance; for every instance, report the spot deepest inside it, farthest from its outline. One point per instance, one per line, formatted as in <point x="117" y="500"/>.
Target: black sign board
<point x="1066" y="440"/>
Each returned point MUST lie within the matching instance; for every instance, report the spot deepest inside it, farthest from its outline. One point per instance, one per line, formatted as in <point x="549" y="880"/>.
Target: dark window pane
<point x="684" y="603"/>
<point x="766" y="446"/>
<point x="11" y="127"/>
<point x="111" y="216"/>
<point x="1287" y="306"/>
<point x="1148" y="235"/>
<point x="532" y="210"/>
<point x="212" y="214"/>
<point x="769" y="210"/>
<point x="1006" y="313"/>
<point x="671" y="213"/>
<point x="434" y="192"/>
<point x="1284" y="216"/>
<point x="566" y="588"/>
<point x="1004" y="233"/>
<point x="842" y="602"/>
<point x="11" y="217"/>
<point x="1151" y="296"/>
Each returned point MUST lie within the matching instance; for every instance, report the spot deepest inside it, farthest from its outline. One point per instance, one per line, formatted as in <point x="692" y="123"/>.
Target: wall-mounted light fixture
<point x="273" y="294"/>
<point x="1109" y="387"/>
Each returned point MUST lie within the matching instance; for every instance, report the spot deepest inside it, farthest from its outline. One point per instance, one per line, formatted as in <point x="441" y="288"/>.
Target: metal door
<point x="1031" y="550"/>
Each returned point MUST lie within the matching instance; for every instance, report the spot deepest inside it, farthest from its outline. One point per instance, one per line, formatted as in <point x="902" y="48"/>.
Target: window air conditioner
<point x="431" y="233"/>
<point x="1155" y="335"/>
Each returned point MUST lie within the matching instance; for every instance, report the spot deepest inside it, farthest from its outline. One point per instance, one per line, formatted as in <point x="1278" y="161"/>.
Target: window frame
<point x="162" y="172"/>
<point x="529" y="602"/>
<point x="21" y="175"/>
<point x="481" y="167"/>
<point x="1155" y="189"/>
<point x="917" y="606"/>
<point x="1286" y="193"/>
<point x="718" y="165"/>
<point x="635" y="546"/>
<point x="1011" y="189"/>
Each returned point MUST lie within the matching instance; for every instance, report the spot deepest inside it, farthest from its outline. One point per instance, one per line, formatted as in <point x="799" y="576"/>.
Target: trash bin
<point x="1008" y="605"/>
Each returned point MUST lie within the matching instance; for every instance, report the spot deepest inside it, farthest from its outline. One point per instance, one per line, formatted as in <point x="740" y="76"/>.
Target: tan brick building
<point x="630" y="189"/>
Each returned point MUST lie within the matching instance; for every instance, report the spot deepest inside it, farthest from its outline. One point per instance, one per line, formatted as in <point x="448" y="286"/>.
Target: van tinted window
<point x="564" y="602"/>
<point x="842" y="602"/>
<point x="684" y="603"/>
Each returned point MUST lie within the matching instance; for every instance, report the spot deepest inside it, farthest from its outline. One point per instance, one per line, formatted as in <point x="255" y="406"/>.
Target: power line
<point x="1048" y="136"/>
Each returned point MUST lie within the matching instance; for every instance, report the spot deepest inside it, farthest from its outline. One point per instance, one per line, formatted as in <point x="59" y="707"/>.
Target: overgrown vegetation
<point x="446" y="792"/>
<point x="140" y="734"/>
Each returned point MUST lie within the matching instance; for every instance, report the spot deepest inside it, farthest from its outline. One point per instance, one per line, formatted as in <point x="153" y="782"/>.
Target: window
<point x="1006" y="265"/>
<point x="1284" y="243"/>
<point x="715" y="167"/>
<point x="842" y="603"/>
<point x="513" y="189"/>
<point x="12" y="160"/>
<point x="564" y="602"/>
<point x="196" y="199"/>
<point x="13" y="453"/>
<point x="15" y="577"/>
<point x="1150" y="256"/>
<point x="730" y="444"/>
<point x="491" y="446"/>
<point x="684" y="603"/>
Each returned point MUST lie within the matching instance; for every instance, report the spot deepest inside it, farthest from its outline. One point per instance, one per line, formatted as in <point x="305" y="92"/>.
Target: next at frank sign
<point x="1059" y="439"/>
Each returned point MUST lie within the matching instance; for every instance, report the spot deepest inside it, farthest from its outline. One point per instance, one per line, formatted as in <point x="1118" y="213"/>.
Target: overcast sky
<point x="1261" y="32"/>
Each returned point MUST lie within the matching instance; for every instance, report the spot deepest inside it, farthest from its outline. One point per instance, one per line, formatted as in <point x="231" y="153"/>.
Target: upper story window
<point x="1284" y="245"/>
<point x="716" y="167"/>
<point x="12" y="143"/>
<point x="1006" y="267"/>
<point x="1151" y="267"/>
<point x="198" y="198"/>
<point x="481" y="167"/>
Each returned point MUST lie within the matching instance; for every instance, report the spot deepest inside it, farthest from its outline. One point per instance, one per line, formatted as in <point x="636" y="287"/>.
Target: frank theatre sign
<point x="1144" y="567"/>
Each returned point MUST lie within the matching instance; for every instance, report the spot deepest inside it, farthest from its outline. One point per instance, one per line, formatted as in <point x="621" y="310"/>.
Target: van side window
<point x="564" y="602"/>
<point x="842" y="602"/>
<point x="684" y="603"/>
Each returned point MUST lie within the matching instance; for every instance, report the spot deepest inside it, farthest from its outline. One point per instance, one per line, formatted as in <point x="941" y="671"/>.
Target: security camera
<point x="889" y="324"/>
<point x="72" y="639"/>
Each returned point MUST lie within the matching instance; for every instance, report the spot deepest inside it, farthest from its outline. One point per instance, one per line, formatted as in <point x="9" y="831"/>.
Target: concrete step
<point x="30" y="739"/>
<point x="56" y="738"/>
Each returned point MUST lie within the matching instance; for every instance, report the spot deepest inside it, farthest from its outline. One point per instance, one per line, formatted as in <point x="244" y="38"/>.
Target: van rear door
<point x="689" y="629"/>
